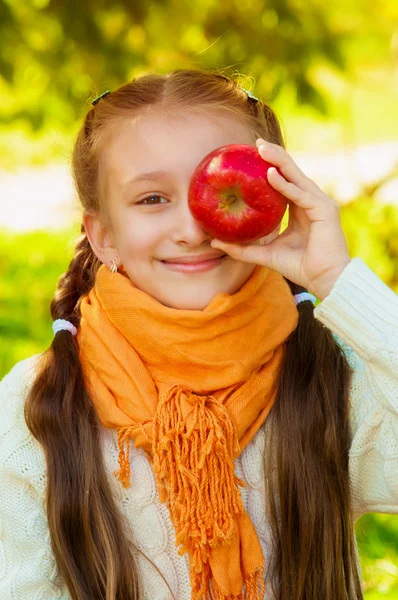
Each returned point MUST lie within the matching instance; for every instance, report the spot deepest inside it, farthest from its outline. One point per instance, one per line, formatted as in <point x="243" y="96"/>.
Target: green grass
<point x="377" y="536"/>
<point x="30" y="265"/>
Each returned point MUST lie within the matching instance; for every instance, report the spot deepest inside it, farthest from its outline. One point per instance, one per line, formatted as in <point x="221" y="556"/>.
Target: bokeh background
<point x="329" y="69"/>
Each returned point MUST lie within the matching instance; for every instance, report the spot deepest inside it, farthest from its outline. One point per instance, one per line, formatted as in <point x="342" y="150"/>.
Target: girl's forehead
<point x="158" y="141"/>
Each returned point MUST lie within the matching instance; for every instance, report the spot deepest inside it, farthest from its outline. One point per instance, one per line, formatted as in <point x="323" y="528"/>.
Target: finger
<point x="290" y="190"/>
<point x="303" y="198"/>
<point x="280" y="158"/>
<point x="249" y="253"/>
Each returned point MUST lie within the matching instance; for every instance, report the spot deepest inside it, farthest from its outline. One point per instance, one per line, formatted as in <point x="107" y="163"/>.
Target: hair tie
<point x="304" y="296"/>
<point x="250" y="96"/>
<point x="98" y="98"/>
<point x="62" y="324"/>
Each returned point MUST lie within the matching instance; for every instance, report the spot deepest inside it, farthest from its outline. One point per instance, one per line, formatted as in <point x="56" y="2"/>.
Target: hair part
<point x="306" y="463"/>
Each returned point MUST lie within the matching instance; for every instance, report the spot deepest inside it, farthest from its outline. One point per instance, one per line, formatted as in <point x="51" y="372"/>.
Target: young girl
<point x="197" y="431"/>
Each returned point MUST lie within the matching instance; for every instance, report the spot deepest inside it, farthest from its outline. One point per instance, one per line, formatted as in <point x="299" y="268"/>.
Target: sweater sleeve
<point x="362" y="313"/>
<point x="27" y="565"/>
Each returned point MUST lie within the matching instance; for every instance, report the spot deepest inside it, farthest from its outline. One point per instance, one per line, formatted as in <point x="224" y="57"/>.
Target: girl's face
<point x="147" y="216"/>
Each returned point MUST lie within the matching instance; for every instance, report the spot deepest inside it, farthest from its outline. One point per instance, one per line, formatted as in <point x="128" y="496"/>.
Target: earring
<point x="113" y="267"/>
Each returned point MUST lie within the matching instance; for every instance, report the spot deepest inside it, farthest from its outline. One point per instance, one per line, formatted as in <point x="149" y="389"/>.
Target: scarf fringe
<point x="188" y="460"/>
<point x="195" y="472"/>
<point x="254" y="589"/>
<point x="123" y="440"/>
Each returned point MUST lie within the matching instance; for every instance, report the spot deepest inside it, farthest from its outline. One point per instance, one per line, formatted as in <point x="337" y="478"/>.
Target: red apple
<point x="230" y="196"/>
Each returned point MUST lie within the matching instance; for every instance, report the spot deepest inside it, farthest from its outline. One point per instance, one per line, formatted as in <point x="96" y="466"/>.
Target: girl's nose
<point x="187" y="230"/>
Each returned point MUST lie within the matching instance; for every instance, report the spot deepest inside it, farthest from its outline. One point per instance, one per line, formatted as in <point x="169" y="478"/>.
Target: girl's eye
<point x="152" y="196"/>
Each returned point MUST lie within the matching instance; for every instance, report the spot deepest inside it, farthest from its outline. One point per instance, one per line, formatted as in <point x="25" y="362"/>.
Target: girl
<point x="197" y="432"/>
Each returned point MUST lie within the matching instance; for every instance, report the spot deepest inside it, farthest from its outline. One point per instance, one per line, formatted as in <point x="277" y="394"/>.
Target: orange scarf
<point x="191" y="387"/>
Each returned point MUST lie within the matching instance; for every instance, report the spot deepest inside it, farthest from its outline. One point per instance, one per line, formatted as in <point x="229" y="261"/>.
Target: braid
<point x="308" y="453"/>
<point x="61" y="416"/>
<point x="75" y="282"/>
<point x="295" y="289"/>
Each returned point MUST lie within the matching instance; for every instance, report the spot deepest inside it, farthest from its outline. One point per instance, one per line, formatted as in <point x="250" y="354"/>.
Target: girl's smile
<point x="194" y="266"/>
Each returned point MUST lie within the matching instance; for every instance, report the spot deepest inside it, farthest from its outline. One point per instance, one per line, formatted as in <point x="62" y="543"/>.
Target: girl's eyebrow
<point x="151" y="176"/>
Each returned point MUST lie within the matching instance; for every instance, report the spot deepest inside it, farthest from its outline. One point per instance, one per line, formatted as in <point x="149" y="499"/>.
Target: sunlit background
<point x="329" y="69"/>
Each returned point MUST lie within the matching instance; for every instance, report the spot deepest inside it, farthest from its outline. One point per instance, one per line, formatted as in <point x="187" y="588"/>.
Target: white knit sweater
<point x="361" y="311"/>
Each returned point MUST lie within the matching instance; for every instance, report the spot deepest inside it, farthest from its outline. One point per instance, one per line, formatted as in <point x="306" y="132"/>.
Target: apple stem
<point x="227" y="202"/>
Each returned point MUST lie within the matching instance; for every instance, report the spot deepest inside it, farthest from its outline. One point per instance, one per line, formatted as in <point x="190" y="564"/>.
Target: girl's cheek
<point x="143" y="234"/>
<point x="145" y="242"/>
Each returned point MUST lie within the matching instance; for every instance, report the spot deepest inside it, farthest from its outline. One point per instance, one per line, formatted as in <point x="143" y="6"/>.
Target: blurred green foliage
<point x="371" y="230"/>
<point x="55" y="56"/>
<point x="59" y="52"/>
<point x="377" y="536"/>
<point x="30" y="265"/>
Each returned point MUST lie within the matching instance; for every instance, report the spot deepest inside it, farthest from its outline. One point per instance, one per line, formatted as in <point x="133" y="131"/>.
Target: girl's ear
<point x="100" y="237"/>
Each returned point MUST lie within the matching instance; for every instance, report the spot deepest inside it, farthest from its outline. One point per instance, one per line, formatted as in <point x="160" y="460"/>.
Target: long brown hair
<point x="306" y="459"/>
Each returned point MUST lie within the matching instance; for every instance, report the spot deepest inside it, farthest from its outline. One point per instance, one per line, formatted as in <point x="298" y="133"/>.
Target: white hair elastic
<point x="303" y="297"/>
<point x="62" y="324"/>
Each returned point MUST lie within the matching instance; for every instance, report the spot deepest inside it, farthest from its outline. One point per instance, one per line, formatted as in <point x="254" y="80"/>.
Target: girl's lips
<point x="199" y="267"/>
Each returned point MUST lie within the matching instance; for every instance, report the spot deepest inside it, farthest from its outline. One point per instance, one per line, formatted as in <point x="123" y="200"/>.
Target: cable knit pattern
<point x="362" y="313"/>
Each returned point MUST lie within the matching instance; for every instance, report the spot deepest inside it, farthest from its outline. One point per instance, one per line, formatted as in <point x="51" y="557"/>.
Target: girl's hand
<point x="312" y="251"/>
